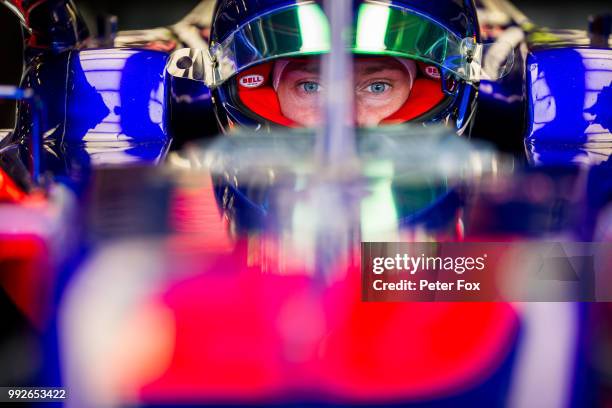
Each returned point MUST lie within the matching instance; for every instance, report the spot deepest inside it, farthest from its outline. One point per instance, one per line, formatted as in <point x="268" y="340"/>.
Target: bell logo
<point x="432" y="71"/>
<point x="252" y="81"/>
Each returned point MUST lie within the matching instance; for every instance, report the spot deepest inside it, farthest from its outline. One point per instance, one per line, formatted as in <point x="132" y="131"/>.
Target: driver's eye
<point x="378" y="87"/>
<point x="310" y="87"/>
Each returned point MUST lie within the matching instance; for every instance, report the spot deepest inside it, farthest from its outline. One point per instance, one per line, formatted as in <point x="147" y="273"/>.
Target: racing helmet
<point x="249" y="36"/>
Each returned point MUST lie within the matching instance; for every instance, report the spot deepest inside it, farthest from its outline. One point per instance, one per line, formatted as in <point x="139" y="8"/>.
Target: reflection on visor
<point x="380" y="30"/>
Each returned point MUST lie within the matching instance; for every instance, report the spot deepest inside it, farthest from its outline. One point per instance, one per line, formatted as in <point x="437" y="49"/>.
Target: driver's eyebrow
<point x="368" y="70"/>
<point x="372" y="69"/>
<point x="306" y="68"/>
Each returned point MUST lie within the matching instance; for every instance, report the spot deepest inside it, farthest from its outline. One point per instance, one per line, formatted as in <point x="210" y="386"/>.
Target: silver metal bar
<point x="336" y="137"/>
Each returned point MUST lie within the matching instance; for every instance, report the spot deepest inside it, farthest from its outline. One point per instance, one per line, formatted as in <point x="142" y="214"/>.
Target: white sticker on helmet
<point x="252" y="81"/>
<point x="432" y="71"/>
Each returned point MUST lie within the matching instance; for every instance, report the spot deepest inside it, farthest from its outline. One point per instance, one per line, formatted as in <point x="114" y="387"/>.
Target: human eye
<point x="310" y="87"/>
<point x="378" y="87"/>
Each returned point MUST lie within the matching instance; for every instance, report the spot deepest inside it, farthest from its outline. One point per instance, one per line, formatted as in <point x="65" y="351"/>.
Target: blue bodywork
<point x="115" y="95"/>
<point x="103" y="106"/>
<point x="569" y="106"/>
<point x="115" y="105"/>
<point x="569" y="117"/>
<point x="112" y="106"/>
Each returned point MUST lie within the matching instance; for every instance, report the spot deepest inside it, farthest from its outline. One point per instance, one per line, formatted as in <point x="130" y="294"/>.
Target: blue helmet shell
<point x="246" y="208"/>
<point x="459" y="16"/>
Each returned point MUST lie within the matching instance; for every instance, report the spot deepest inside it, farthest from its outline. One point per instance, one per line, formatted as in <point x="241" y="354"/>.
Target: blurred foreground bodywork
<point x="188" y="294"/>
